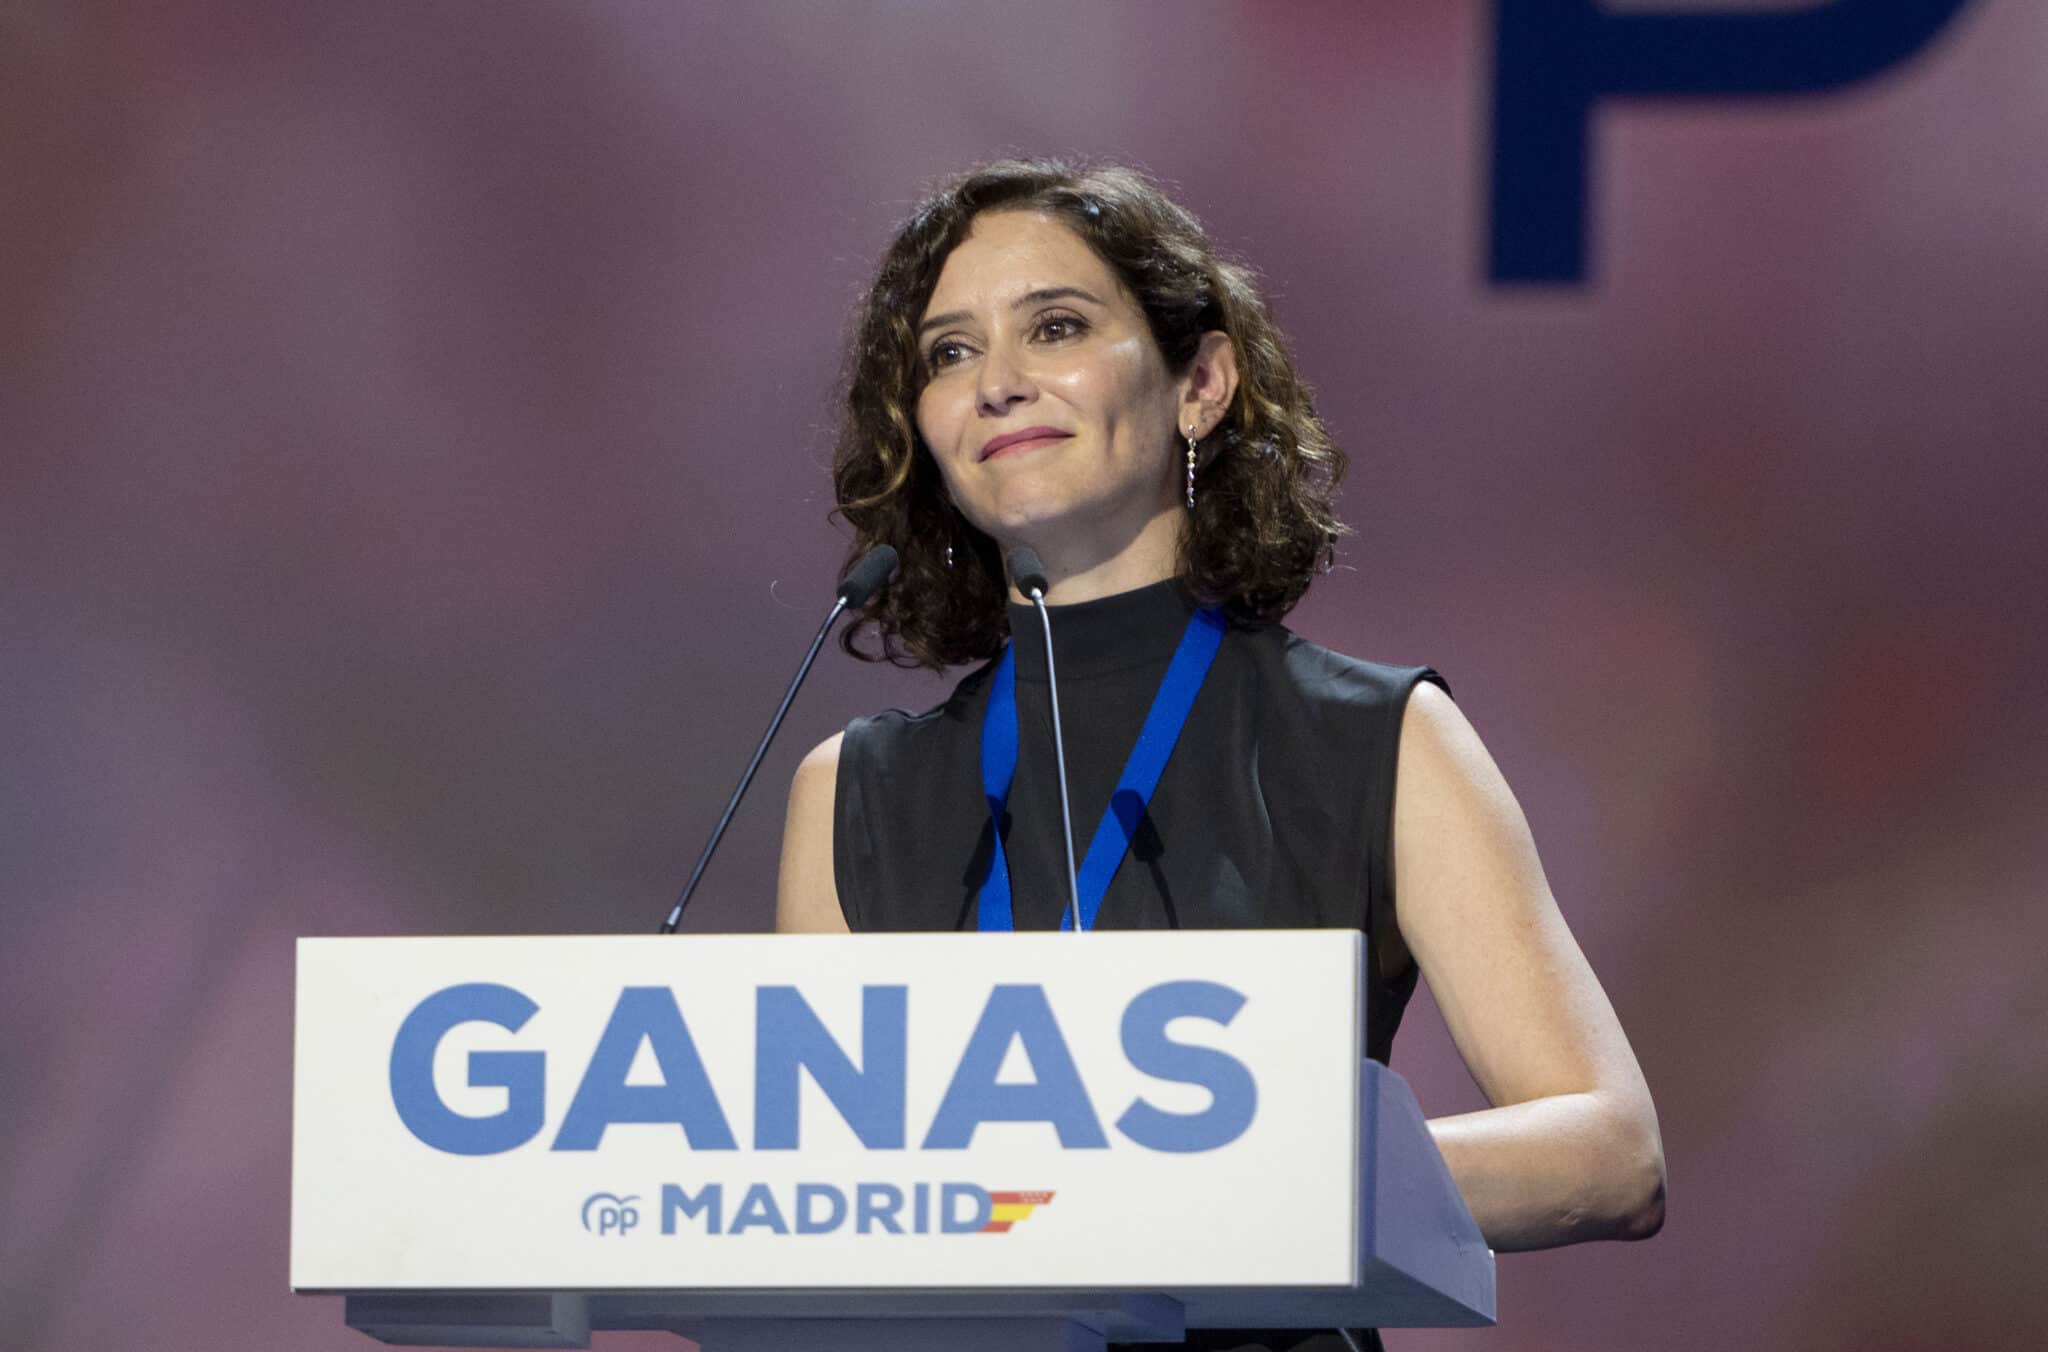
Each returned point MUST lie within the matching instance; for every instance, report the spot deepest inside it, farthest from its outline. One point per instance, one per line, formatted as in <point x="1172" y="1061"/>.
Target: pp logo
<point x="606" y="1214"/>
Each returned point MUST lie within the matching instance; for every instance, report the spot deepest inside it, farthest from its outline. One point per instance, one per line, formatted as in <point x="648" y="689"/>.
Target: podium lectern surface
<point x="512" y="1141"/>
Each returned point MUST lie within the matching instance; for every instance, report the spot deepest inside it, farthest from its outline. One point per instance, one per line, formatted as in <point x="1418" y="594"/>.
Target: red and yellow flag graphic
<point x="1007" y="1208"/>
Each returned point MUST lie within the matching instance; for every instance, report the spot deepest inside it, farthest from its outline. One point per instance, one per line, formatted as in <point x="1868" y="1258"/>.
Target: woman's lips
<point x="1027" y="439"/>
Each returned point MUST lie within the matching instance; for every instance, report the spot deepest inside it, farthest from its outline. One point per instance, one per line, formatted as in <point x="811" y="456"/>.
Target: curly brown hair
<point x="1263" y="523"/>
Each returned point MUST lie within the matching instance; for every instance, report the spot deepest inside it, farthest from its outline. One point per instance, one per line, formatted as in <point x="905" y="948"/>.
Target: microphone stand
<point x="1030" y="576"/>
<point x="860" y="583"/>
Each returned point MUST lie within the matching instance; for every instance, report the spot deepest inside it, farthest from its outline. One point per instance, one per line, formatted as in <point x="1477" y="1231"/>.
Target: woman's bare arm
<point x="806" y="897"/>
<point x="1570" y="1150"/>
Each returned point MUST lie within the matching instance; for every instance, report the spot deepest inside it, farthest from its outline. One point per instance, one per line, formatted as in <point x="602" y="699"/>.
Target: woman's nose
<point x="1004" y="383"/>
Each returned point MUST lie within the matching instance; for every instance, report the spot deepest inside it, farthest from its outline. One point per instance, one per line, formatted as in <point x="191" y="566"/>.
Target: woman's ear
<point x="1209" y="383"/>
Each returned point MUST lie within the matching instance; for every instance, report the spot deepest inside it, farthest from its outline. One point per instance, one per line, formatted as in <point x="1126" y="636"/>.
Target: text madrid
<point x="790" y="1039"/>
<point x="815" y="1209"/>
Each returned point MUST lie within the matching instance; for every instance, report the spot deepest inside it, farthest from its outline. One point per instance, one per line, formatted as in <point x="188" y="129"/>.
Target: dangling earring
<point x="1191" y="469"/>
<point x="949" y="556"/>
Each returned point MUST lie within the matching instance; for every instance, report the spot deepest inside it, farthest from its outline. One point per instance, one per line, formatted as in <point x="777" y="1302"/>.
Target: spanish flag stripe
<point x="1033" y="1198"/>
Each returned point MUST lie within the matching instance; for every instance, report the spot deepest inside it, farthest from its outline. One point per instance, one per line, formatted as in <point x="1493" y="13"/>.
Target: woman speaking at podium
<point x="1056" y="358"/>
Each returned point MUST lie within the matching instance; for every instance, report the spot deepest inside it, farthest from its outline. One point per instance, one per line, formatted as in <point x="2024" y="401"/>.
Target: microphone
<point x="1029" y="575"/>
<point x="862" y="581"/>
<point x="1028" y="572"/>
<point x="866" y="577"/>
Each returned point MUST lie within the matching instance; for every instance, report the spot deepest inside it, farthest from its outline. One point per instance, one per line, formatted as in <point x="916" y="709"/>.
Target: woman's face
<point x="1048" y="405"/>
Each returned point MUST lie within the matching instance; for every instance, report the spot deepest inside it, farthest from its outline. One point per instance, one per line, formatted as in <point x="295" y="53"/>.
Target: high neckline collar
<point x="1138" y="628"/>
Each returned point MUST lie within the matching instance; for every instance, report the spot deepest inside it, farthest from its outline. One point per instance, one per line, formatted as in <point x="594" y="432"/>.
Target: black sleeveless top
<point x="1275" y="810"/>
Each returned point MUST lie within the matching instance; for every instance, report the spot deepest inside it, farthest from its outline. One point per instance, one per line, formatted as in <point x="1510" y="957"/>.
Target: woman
<point x="1056" y="358"/>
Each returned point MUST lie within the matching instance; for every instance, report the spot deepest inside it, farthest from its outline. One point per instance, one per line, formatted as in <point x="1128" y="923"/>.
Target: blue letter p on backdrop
<point x="1556" y="60"/>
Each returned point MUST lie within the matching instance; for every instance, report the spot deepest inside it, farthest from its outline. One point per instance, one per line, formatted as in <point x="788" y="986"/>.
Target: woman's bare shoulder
<point x="807" y="893"/>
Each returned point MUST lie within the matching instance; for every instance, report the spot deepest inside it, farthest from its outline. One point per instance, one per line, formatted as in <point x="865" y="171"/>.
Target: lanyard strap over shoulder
<point x="1112" y="840"/>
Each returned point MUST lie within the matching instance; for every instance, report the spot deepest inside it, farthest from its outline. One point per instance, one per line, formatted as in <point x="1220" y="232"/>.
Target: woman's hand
<point x="1570" y="1150"/>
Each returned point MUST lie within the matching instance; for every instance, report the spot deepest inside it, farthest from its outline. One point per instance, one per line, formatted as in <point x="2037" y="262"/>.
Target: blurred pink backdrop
<point x="412" y="429"/>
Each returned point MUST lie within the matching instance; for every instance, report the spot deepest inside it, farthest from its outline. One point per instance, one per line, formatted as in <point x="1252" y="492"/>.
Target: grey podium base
<point x="788" y="1322"/>
<point x="897" y="1335"/>
<point x="461" y="1319"/>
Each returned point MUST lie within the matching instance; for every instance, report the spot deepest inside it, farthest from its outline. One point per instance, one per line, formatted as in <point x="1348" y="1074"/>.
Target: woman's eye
<point x="943" y="353"/>
<point x="1055" y="327"/>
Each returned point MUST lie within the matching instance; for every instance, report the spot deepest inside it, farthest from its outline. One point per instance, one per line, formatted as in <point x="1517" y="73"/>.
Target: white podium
<point x="1028" y="1141"/>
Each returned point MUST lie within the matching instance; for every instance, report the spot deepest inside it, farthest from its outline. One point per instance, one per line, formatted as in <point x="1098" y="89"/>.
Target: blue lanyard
<point x="1198" y="644"/>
